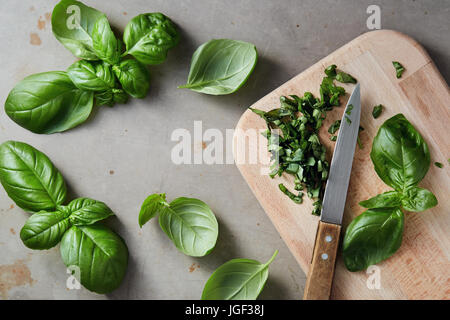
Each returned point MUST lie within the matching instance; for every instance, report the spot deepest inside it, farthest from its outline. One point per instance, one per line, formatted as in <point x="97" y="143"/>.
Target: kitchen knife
<point x="321" y="271"/>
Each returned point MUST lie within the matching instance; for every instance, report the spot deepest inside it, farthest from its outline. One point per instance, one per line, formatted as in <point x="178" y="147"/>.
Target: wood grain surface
<point x="420" y="269"/>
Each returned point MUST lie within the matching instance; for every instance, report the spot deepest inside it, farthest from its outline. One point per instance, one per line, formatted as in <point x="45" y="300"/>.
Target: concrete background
<point x="121" y="155"/>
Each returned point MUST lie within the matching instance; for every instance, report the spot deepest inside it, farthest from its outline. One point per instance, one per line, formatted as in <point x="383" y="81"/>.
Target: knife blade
<point x="341" y="164"/>
<point x="321" y="272"/>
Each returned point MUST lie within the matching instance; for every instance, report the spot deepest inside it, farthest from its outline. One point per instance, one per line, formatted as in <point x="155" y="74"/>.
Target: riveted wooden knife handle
<point x="321" y="271"/>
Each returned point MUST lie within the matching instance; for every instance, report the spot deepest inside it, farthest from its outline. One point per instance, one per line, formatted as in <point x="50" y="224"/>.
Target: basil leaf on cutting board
<point x="134" y="77"/>
<point x="188" y="222"/>
<point x="93" y="76"/>
<point x="372" y="237"/>
<point x="30" y="178"/>
<point x="221" y="66"/>
<point x="44" y="230"/>
<point x="389" y="199"/>
<point x="101" y="255"/>
<point x="149" y="36"/>
<point x="237" y="279"/>
<point x="417" y="199"/>
<point x="400" y="154"/>
<point x="48" y="102"/>
<point x="73" y="25"/>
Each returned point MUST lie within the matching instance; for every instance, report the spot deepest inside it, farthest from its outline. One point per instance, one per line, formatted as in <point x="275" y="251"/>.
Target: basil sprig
<point x="188" y="222"/>
<point x="35" y="185"/>
<point x="401" y="159"/>
<point x="58" y="101"/>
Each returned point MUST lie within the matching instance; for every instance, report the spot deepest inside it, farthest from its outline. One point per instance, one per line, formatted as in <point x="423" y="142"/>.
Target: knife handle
<point x="321" y="271"/>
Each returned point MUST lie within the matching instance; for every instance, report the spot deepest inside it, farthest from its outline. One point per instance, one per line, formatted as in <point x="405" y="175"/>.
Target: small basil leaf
<point x="417" y="199"/>
<point x="399" y="69"/>
<point x="345" y="78"/>
<point x="390" y="199"/>
<point x="85" y="211"/>
<point x="376" y="112"/>
<point x="106" y="46"/>
<point x="151" y="207"/>
<point x="44" y="230"/>
<point x="120" y="96"/>
<point x="134" y="77"/>
<point x="237" y="279"/>
<point x="93" y="76"/>
<point x="30" y="178"/>
<point x="372" y="237"/>
<point x="104" y="98"/>
<point x="399" y="153"/>
<point x="149" y="36"/>
<point x="73" y="24"/>
<point x="101" y="255"/>
<point x="191" y="225"/>
<point x="48" y="102"/>
<point x="221" y="66"/>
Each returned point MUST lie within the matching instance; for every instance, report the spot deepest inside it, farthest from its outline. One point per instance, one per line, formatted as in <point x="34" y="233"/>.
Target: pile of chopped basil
<point x="293" y="140"/>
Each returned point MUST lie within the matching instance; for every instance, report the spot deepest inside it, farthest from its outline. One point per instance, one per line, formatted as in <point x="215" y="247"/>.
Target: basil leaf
<point x="111" y="97"/>
<point x="439" y="165"/>
<point x="345" y="78"/>
<point x="149" y="36"/>
<point x="48" y="102"/>
<point x="399" y="69"/>
<point x="73" y="24"/>
<point x="390" y="199"/>
<point x="93" y="76"/>
<point x="399" y="153"/>
<point x="191" y="225"/>
<point x="372" y="237"/>
<point x="334" y="127"/>
<point x="106" y="46"/>
<point x="221" y="66"/>
<point x="101" y="255"/>
<point x="151" y="207"/>
<point x="30" y="178"/>
<point x="417" y="199"/>
<point x="44" y="230"/>
<point x="237" y="279"/>
<point x="330" y="71"/>
<point x="85" y="211"/>
<point x="134" y="77"/>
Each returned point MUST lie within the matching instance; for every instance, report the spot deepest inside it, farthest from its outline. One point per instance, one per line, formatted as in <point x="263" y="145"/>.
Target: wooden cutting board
<point x="420" y="269"/>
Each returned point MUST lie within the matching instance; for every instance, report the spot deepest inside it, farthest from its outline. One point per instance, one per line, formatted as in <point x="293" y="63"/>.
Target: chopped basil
<point x="398" y="68"/>
<point x="349" y="109"/>
<point x="349" y="121"/>
<point x="376" y="112"/>
<point x="333" y="138"/>
<point x="345" y="78"/>
<point x="293" y="141"/>
<point x="439" y="165"/>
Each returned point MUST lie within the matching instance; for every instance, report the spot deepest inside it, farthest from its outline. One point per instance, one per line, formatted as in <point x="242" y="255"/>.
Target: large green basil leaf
<point x="221" y="66"/>
<point x="93" y="76"/>
<point x="149" y="36"/>
<point x="151" y="207"/>
<point x="390" y="199"/>
<point x="48" y="102"/>
<point x="101" y="255"/>
<point x="85" y="211"/>
<point x="30" y="178"/>
<point x="134" y="77"/>
<point x="191" y="225"/>
<point x="73" y="24"/>
<point x="399" y="153"/>
<point x="237" y="279"/>
<point x="106" y="46"/>
<point x="416" y="199"/>
<point x="372" y="237"/>
<point x="44" y="230"/>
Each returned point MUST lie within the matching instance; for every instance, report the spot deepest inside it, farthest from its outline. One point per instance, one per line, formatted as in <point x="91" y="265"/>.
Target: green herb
<point x="349" y="121"/>
<point x="398" y="68"/>
<point x="237" y="279"/>
<point x="58" y="101"/>
<point x="376" y="112"/>
<point x="188" y="222"/>
<point x="298" y="150"/>
<point x="333" y="138"/>
<point x="401" y="159"/>
<point x="439" y="165"/>
<point x="358" y="139"/>
<point x="334" y="127"/>
<point x="35" y="185"/>
<point x="345" y="78"/>
<point x="221" y="66"/>
<point x="349" y="109"/>
<point x="331" y="71"/>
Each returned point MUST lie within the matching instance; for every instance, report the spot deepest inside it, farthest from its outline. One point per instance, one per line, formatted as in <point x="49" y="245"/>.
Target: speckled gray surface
<point x="123" y="154"/>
